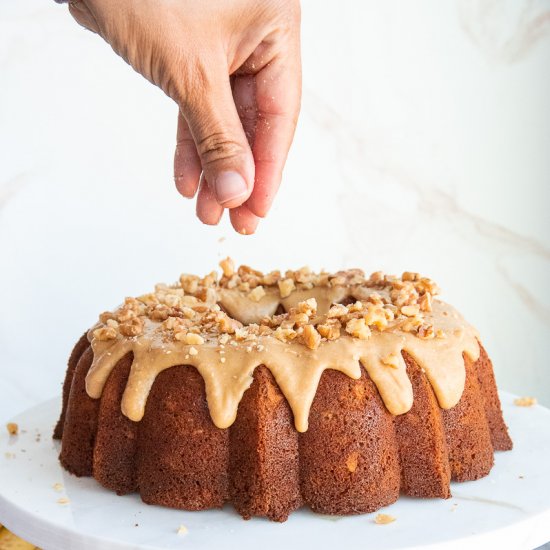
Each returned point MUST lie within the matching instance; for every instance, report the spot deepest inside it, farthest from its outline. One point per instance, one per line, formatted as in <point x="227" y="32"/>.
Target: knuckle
<point x="218" y="146"/>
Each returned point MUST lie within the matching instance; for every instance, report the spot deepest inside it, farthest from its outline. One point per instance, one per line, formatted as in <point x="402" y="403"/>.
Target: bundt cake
<point x="334" y="391"/>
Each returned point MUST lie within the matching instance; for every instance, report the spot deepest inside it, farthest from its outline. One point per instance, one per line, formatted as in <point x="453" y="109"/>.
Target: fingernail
<point x="228" y="187"/>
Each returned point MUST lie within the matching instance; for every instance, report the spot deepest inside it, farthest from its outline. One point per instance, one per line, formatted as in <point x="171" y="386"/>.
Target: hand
<point x="233" y="68"/>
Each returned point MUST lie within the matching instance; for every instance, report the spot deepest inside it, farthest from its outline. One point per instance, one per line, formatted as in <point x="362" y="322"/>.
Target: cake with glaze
<point x="274" y="391"/>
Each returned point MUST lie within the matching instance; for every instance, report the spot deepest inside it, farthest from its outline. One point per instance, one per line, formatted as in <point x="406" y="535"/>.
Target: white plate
<point x="509" y="509"/>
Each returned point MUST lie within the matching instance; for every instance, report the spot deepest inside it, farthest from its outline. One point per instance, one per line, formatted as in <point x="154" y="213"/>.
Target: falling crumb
<point x="13" y="428"/>
<point x="525" y="401"/>
<point x="383" y="519"/>
<point x="221" y="239"/>
<point x="521" y="476"/>
<point x="63" y="500"/>
<point x="454" y="506"/>
<point x="182" y="530"/>
<point x="58" y="487"/>
<point x="9" y="455"/>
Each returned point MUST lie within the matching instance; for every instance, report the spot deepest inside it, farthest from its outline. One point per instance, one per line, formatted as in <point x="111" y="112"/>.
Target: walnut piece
<point x="105" y="333"/>
<point x="132" y="327"/>
<point x="525" y="401"/>
<point x="228" y="267"/>
<point x="257" y="294"/>
<point x="310" y="337"/>
<point x="384" y="519"/>
<point x="286" y="286"/>
<point x="193" y="339"/>
<point x="358" y="328"/>
<point x="392" y="360"/>
<point x="13" y="428"/>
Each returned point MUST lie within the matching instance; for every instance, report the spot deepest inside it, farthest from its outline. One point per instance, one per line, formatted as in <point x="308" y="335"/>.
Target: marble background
<point x="423" y="144"/>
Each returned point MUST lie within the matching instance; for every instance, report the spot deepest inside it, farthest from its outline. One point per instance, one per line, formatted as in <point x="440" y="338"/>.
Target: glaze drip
<point x="227" y="366"/>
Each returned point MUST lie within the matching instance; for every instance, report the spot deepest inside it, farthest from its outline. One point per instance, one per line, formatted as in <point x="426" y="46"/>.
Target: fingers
<point x="243" y="220"/>
<point x="187" y="164"/>
<point x="209" y="211"/>
<point x="220" y="140"/>
<point x="278" y="95"/>
<point x="83" y="16"/>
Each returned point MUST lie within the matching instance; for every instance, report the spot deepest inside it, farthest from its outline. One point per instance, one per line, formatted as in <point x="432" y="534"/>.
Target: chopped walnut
<point x="426" y="331"/>
<point x="284" y="334"/>
<point x="13" y="428"/>
<point x="330" y="330"/>
<point x="132" y="327"/>
<point x="193" y="351"/>
<point x="525" y="401"/>
<point x="376" y="278"/>
<point x="271" y="278"/>
<point x="440" y="334"/>
<point x="195" y="339"/>
<point x="392" y="360"/>
<point x="309" y="307"/>
<point x="160" y="312"/>
<point x="105" y="333"/>
<point x="425" y="302"/>
<point x="310" y="337"/>
<point x="286" y="286"/>
<point x="257" y="294"/>
<point x="228" y="267"/>
<point x="358" y="328"/>
<point x="106" y="316"/>
<point x="410" y="276"/>
<point x="410" y="311"/>
<point x="377" y="316"/>
<point x="189" y="283"/>
<point x="125" y="313"/>
<point x="337" y="310"/>
<point x="384" y="519"/>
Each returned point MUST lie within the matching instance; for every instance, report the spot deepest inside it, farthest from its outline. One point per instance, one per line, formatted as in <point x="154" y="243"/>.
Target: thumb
<point x="225" y="155"/>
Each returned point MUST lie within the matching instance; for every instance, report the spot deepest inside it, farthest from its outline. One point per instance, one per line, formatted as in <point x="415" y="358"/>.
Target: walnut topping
<point x="410" y="311"/>
<point x="330" y="330"/>
<point x="426" y="331"/>
<point x="132" y="327"/>
<point x="337" y="310"/>
<point x="392" y="360"/>
<point x="358" y="328"/>
<point x="257" y="294"/>
<point x="285" y="334"/>
<point x="286" y="286"/>
<point x="525" y="401"/>
<point x="228" y="267"/>
<point x="309" y="307"/>
<point x="105" y="333"/>
<point x="384" y="519"/>
<point x="195" y="339"/>
<point x="13" y="428"/>
<point x="425" y="302"/>
<point x="310" y="337"/>
<point x="188" y="311"/>
<point x="193" y="351"/>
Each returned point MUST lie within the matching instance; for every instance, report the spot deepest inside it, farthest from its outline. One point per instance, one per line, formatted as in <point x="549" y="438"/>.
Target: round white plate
<point x="508" y="509"/>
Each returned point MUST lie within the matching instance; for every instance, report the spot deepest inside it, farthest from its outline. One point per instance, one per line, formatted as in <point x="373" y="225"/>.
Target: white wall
<point x="423" y="144"/>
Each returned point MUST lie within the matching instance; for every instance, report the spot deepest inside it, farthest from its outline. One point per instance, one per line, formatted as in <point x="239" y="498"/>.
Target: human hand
<point x="233" y="67"/>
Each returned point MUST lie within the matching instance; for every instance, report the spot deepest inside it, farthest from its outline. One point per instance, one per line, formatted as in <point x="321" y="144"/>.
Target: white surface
<point x="422" y="145"/>
<point x="509" y="509"/>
